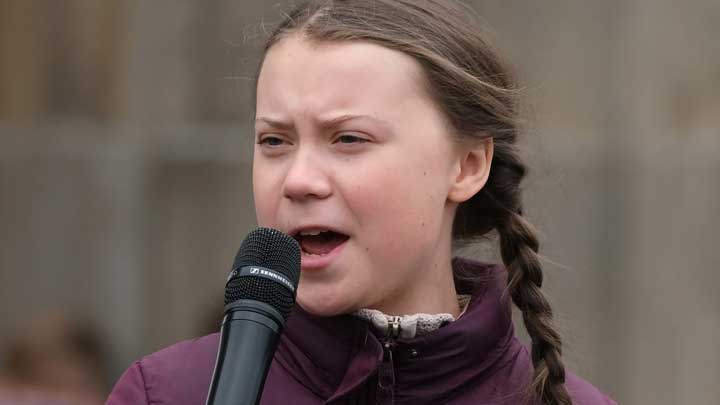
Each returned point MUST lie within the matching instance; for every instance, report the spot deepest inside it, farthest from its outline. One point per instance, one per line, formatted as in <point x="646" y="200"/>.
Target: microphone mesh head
<point x="272" y="249"/>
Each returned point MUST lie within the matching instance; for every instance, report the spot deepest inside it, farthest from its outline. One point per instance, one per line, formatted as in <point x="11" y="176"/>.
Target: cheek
<point x="402" y="201"/>
<point x="265" y="196"/>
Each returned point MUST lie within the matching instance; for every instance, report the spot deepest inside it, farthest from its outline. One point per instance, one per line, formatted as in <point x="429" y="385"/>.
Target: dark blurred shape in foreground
<point x="53" y="360"/>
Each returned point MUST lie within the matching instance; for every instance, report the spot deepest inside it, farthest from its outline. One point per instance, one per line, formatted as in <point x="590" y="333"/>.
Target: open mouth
<point x="318" y="243"/>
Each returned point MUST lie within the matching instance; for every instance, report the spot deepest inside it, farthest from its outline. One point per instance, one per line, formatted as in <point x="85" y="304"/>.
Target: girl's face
<point x="348" y="142"/>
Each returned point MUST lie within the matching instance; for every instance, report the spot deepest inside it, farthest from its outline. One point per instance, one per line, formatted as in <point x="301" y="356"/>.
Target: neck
<point x="434" y="296"/>
<point x="432" y="291"/>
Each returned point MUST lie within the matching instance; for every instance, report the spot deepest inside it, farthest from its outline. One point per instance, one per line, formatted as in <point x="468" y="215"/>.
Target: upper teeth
<point x="310" y="233"/>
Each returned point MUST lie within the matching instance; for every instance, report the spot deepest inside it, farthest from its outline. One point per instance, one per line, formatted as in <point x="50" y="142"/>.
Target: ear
<point x="471" y="172"/>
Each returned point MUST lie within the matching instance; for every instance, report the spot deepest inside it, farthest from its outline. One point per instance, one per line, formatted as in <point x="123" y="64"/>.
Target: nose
<point x="307" y="178"/>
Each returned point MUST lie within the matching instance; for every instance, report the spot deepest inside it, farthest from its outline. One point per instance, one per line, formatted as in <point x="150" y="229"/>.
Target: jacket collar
<point x="331" y="356"/>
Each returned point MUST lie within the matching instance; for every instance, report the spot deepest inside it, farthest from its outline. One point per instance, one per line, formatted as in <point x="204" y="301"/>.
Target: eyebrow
<point x="323" y="124"/>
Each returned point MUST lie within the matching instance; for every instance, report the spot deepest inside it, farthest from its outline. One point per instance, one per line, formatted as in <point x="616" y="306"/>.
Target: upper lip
<point x="296" y="230"/>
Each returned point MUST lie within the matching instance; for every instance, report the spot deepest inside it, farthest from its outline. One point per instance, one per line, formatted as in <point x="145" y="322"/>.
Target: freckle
<point x="422" y="224"/>
<point x="424" y="173"/>
<point x="367" y="249"/>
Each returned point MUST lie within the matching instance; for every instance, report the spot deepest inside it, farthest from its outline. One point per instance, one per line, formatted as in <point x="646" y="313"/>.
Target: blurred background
<point x="125" y="150"/>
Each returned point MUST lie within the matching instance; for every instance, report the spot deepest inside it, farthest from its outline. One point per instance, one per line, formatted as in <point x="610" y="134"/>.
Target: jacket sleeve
<point x="130" y="388"/>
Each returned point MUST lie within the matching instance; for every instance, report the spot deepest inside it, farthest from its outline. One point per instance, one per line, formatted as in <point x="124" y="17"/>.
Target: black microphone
<point x="259" y="295"/>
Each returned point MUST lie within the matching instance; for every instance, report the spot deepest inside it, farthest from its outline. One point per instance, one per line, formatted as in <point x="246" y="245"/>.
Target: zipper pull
<point x="386" y="376"/>
<point x="386" y="371"/>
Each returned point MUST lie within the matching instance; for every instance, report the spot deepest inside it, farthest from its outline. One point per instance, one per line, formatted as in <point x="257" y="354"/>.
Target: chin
<point x="320" y="305"/>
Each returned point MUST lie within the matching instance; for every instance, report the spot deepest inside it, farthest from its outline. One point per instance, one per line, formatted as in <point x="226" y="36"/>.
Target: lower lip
<point x="319" y="262"/>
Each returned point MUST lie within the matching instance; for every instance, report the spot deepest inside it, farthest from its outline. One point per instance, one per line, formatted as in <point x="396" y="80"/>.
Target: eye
<point x="350" y="139"/>
<point x="272" y="141"/>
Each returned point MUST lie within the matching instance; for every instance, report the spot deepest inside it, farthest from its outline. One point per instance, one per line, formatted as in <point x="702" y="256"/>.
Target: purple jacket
<point x="340" y="360"/>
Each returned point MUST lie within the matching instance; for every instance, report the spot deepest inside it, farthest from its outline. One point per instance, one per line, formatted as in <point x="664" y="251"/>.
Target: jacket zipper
<point x="386" y="371"/>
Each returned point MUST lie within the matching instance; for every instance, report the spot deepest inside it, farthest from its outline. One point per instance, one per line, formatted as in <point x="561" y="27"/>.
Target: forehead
<point x="319" y="77"/>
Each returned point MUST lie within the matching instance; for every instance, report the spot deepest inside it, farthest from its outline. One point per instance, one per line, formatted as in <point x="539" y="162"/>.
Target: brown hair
<point x="469" y="83"/>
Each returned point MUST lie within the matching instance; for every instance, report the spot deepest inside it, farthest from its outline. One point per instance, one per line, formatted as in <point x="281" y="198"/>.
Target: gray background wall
<point x="125" y="181"/>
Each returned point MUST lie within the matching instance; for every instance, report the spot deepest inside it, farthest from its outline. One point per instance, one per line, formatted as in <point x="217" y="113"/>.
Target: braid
<point x="519" y="248"/>
<point x="501" y="207"/>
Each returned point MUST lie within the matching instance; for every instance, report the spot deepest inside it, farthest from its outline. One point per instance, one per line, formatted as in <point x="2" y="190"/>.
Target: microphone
<point x="259" y="295"/>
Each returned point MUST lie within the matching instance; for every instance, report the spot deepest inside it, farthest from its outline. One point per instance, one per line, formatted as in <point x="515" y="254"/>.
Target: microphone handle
<point x="248" y="340"/>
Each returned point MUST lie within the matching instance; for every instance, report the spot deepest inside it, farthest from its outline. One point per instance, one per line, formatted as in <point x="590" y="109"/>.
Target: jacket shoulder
<point x="584" y="393"/>
<point x="179" y="374"/>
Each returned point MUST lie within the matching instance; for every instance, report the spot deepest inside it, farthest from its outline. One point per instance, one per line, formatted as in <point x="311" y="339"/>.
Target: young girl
<point x="385" y="131"/>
